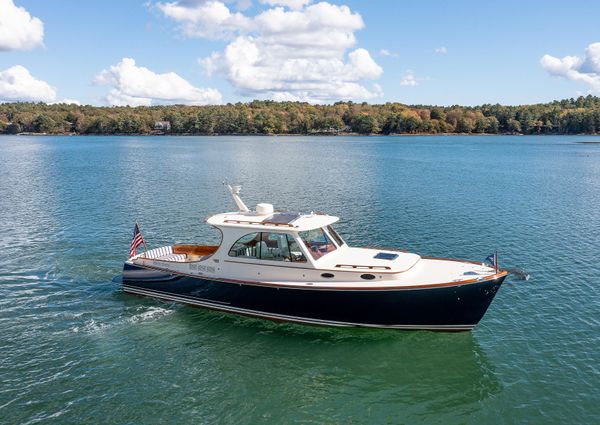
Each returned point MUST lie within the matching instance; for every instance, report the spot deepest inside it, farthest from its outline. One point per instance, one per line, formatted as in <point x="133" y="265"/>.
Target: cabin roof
<point x="280" y="220"/>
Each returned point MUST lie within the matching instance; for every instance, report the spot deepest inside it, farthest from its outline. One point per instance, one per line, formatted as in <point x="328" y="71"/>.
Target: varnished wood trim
<point x="350" y="287"/>
<point x="194" y="249"/>
<point x="454" y="259"/>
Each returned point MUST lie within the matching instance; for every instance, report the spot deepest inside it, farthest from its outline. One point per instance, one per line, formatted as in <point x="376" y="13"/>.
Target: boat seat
<point x="173" y="257"/>
<point x="164" y="253"/>
<point x="158" y="252"/>
<point x="265" y="251"/>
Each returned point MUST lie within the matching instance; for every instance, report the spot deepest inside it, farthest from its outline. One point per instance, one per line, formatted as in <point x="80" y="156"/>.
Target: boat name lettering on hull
<point x="202" y="268"/>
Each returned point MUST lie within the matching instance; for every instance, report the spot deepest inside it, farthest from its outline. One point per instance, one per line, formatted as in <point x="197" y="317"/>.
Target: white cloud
<point x="243" y="4"/>
<point x="71" y="101"/>
<point x="67" y="102"/>
<point x="18" y="29"/>
<point x="17" y="84"/>
<point x="585" y="70"/>
<point x="292" y="4"/>
<point x="205" y="18"/>
<point x="386" y="52"/>
<point x="211" y="63"/>
<point x="136" y="85"/>
<point x="441" y="50"/>
<point x="302" y="51"/>
<point x="409" y="79"/>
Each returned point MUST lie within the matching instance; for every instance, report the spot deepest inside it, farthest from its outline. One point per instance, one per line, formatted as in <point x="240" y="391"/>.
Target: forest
<point x="569" y="116"/>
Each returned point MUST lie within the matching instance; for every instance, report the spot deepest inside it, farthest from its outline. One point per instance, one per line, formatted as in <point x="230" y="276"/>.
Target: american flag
<point x="492" y="260"/>
<point x="138" y="240"/>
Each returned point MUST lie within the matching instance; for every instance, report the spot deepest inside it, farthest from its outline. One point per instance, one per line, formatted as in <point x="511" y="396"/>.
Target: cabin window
<point x="335" y="236"/>
<point x="295" y="251"/>
<point x="317" y="242"/>
<point x="247" y="246"/>
<point x="274" y="247"/>
<point x="280" y="247"/>
<point x="268" y="246"/>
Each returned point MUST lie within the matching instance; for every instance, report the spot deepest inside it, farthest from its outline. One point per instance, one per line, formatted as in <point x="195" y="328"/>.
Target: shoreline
<point x="579" y="116"/>
<point x="296" y="134"/>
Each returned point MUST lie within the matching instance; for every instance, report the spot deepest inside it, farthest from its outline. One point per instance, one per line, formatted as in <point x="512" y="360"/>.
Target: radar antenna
<point x="235" y="193"/>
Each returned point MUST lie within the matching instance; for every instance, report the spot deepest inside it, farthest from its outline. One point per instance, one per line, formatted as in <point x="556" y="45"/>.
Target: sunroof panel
<point x="282" y="217"/>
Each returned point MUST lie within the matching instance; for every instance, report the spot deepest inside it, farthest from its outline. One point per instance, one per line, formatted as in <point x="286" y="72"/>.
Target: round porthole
<point x="327" y="275"/>
<point x="367" y="276"/>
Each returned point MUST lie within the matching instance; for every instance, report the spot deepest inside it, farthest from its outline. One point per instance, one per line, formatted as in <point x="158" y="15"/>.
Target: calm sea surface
<point x="75" y="350"/>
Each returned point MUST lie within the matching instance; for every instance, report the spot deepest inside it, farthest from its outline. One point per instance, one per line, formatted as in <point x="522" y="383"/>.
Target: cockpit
<point x="283" y="246"/>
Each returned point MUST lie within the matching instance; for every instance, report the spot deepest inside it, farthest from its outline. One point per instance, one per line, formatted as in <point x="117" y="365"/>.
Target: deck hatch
<point x="386" y="256"/>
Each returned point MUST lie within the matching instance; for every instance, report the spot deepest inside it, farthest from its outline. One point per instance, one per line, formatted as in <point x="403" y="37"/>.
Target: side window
<point x="295" y="250"/>
<point x="317" y="242"/>
<point x="274" y="247"/>
<point x="336" y="237"/>
<point x="247" y="246"/>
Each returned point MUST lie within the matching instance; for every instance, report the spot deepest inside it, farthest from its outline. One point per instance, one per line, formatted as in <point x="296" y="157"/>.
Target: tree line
<point x="569" y="116"/>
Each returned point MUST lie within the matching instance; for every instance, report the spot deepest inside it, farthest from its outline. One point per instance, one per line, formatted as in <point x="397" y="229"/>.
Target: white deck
<point x="347" y="258"/>
<point x="410" y="270"/>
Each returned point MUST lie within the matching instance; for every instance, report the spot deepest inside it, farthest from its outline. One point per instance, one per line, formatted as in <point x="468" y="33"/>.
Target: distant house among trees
<point x="162" y="125"/>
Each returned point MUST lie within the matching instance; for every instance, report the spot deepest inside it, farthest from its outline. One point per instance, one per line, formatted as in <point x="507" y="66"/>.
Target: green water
<point x="75" y="350"/>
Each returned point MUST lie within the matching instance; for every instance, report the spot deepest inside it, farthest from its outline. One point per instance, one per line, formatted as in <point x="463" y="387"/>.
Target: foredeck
<point x="427" y="273"/>
<point x="368" y="260"/>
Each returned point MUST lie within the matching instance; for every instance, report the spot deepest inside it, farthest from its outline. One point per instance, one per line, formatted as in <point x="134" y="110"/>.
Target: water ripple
<point x="75" y="349"/>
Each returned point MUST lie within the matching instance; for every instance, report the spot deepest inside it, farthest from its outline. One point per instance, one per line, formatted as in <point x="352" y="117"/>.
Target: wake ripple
<point x="145" y="314"/>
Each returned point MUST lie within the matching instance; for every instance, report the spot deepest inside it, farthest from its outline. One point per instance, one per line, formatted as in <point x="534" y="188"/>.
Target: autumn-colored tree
<point x="568" y="116"/>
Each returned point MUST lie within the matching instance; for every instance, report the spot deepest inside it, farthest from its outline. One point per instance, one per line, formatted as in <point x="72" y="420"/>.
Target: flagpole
<point x="496" y="261"/>
<point x="143" y="239"/>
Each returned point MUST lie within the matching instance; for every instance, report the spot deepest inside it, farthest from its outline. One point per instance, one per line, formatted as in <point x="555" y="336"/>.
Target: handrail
<point x="364" y="267"/>
<point x="264" y="223"/>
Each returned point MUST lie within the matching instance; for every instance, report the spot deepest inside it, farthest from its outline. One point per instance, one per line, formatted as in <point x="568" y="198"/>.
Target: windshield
<point x="317" y="242"/>
<point x="336" y="237"/>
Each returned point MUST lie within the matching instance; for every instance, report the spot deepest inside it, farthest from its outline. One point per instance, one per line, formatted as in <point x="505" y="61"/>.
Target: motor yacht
<point x="295" y="267"/>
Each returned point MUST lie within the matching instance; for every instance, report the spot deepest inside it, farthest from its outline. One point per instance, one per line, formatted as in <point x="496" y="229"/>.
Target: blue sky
<point x="487" y="52"/>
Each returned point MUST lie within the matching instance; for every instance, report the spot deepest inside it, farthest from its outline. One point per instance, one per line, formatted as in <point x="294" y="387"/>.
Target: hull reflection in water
<point x="399" y="375"/>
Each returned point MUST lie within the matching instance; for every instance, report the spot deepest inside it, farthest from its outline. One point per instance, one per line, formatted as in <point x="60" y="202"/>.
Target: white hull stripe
<point x="214" y="306"/>
<point x="176" y="273"/>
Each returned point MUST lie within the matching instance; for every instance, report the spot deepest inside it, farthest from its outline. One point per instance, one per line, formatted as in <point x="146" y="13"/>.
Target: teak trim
<point x="263" y="223"/>
<point x="194" y="249"/>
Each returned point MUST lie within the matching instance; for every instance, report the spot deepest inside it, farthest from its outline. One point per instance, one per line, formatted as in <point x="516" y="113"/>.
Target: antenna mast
<point x="235" y="193"/>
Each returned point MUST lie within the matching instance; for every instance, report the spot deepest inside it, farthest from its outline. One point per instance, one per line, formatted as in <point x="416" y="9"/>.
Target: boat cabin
<point x="256" y="239"/>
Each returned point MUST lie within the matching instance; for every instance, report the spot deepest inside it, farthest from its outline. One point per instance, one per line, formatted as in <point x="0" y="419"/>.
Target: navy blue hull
<point x="457" y="307"/>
